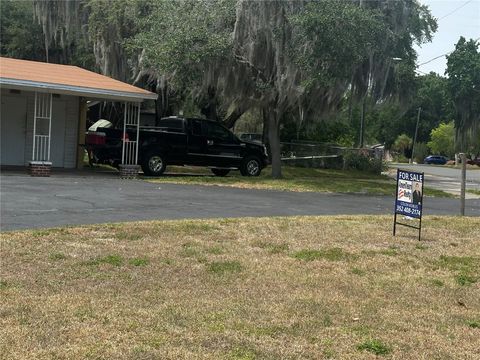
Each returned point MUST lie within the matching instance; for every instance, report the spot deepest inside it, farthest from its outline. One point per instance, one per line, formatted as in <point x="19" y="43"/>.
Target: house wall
<point x="65" y="118"/>
<point x="71" y="130"/>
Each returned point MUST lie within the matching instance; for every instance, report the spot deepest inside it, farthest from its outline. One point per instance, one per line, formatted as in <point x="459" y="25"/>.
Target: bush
<point x="443" y="139"/>
<point x="333" y="163"/>
<point x="402" y="144"/>
<point x="358" y="161"/>
<point x="421" y="152"/>
<point x="400" y="158"/>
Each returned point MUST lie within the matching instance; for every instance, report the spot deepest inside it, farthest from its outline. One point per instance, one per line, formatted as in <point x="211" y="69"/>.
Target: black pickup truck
<point x="180" y="141"/>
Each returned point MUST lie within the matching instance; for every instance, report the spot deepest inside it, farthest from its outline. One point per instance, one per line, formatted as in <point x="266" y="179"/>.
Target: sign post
<point x="462" y="185"/>
<point x="409" y="198"/>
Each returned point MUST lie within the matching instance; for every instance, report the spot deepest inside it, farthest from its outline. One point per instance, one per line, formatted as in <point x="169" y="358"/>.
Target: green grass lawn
<point x="294" y="179"/>
<point x="339" y="287"/>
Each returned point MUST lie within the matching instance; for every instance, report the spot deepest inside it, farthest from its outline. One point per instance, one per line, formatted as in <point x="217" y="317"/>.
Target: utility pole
<point x="415" y="137"/>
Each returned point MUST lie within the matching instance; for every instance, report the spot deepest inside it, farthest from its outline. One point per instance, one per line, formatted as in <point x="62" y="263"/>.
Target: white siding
<point x="12" y="129"/>
<point x="71" y="125"/>
<point x="71" y="131"/>
<point x="30" y="96"/>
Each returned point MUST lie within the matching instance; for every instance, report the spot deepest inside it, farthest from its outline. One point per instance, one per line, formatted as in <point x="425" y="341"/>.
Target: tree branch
<point x="252" y="67"/>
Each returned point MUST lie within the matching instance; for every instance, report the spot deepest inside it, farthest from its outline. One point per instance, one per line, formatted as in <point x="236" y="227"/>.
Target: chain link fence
<point x="323" y="155"/>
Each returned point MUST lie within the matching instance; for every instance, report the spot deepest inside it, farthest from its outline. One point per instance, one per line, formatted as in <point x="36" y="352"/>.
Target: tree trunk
<point x="162" y="103"/>
<point x="46" y="49"/>
<point x="210" y="111"/>
<point x="264" y="127"/>
<point x="231" y="119"/>
<point x="362" y="123"/>
<point x="274" y="141"/>
<point x="209" y="106"/>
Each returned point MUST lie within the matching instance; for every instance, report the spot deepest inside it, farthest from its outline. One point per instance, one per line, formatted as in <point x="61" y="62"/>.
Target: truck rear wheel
<point x="154" y="164"/>
<point x="251" y="166"/>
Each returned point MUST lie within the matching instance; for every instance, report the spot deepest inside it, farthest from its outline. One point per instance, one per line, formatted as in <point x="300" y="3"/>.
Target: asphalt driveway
<point x="28" y="202"/>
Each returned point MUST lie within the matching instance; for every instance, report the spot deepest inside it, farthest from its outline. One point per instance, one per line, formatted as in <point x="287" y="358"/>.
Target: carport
<point x="44" y="108"/>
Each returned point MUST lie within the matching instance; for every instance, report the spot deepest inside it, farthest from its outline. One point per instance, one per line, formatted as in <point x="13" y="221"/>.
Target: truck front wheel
<point x="251" y="166"/>
<point x="154" y="164"/>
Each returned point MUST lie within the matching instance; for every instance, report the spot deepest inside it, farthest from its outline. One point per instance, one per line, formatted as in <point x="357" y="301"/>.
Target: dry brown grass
<point x="270" y="288"/>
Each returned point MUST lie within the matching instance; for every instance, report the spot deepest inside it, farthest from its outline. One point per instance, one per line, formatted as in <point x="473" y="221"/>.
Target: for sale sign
<point x="409" y="197"/>
<point x="409" y="193"/>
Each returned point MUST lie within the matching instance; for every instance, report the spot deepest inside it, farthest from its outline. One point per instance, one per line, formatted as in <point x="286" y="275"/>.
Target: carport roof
<point x="66" y="79"/>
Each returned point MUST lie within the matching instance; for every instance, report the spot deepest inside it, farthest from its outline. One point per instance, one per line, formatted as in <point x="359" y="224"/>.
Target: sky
<point x="455" y="18"/>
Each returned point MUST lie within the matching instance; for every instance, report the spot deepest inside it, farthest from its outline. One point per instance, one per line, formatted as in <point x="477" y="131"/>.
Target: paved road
<point x="443" y="171"/>
<point x="28" y="202"/>
<point x="445" y="178"/>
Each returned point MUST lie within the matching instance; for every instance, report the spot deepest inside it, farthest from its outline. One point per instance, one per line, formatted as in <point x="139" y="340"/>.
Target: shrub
<point x="443" y="139"/>
<point x="357" y="161"/>
<point x="400" y="158"/>
<point x="421" y="151"/>
<point x="402" y="144"/>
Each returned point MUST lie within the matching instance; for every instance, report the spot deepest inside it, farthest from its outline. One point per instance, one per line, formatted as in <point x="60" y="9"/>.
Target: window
<point x="196" y="127"/>
<point x="173" y="125"/>
<point x="216" y="131"/>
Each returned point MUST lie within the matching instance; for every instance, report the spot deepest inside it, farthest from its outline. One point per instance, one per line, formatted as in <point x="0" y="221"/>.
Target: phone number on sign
<point x="408" y="210"/>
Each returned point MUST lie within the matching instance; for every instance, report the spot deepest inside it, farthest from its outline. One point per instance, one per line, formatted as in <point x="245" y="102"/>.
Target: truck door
<point x="174" y="134"/>
<point x="197" y="142"/>
<point x="223" y="148"/>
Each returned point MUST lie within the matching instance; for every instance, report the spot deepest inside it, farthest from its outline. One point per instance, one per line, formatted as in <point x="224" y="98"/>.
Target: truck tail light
<point x="125" y="137"/>
<point x="95" y="138"/>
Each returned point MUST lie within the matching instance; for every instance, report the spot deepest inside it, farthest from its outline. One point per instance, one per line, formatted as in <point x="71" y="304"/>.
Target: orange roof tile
<point x="67" y="75"/>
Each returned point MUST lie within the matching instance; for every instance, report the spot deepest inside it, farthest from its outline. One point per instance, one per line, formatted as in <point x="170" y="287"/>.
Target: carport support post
<point x="82" y="125"/>
<point x="41" y="164"/>
<point x="129" y="167"/>
<point x="462" y="188"/>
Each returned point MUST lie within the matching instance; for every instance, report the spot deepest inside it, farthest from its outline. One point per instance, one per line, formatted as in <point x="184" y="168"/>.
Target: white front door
<point x="13" y="129"/>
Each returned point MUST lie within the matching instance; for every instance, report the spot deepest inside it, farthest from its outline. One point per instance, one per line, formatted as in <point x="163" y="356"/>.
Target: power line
<point x="420" y="72"/>
<point x="443" y="17"/>
<point x="439" y="56"/>
<point x="455" y="10"/>
<point x="435" y="58"/>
